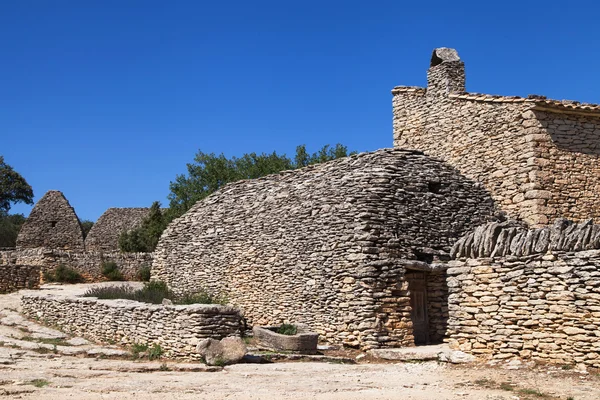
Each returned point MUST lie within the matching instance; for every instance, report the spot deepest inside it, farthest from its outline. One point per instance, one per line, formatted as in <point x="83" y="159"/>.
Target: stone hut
<point x="539" y="158"/>
<point x="348" y="247"/>
<point x="52" y="224"/>
<point x="104" y="235"/>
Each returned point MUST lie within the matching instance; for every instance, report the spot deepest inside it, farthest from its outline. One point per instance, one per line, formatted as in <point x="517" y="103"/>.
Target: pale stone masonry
<point x="328" y="245"/>
<point x="87" y="263"/>
<point x="533" y="294"/>
<point x="17" y="277"/>
<point x="177" y="329"/>
<point x="52" y="223"/>
<point x="104" y="235"/>
<point x="539" y="158"/>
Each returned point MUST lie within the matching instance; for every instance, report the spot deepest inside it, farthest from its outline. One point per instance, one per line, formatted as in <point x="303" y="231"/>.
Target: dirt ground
<point x="31" y="368"/>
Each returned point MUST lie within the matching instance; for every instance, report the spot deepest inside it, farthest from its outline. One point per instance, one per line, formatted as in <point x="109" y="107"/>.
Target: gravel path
<point x="33" y="368"/>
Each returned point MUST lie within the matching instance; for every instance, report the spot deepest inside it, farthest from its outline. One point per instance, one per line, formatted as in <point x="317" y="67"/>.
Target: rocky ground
<point x="38" y="362"/>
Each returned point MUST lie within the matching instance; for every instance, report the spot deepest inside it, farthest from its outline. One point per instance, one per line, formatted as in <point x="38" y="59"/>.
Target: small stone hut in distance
<point x="539" y="158"/>
<point x="104" y="235"/>
<point x="335" y="246"/>
<point x="52" y="224"/>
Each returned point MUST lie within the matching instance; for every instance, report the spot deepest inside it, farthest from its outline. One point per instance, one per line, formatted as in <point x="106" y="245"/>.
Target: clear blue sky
<point x="108" y="100"/>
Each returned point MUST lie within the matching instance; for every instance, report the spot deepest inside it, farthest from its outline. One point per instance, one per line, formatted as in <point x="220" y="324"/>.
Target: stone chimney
<point x="446" y="73"/>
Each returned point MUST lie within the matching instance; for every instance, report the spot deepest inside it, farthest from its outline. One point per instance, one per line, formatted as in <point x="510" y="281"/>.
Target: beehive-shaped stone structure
<point x="327" y="245"/>
<point x="53" y="224"/>
<point x="104" y="235"/>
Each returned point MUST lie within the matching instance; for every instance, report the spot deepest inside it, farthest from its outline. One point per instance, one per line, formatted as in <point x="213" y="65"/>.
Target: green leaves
<point x="208" y="173"/>
<point x="145" y="238"/>
<point x="13" y="188"/>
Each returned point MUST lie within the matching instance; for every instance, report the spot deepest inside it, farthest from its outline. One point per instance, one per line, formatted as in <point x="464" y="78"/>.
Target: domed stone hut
<point x="335" y="246"/>
<point x="53" y="224"/>
<point x="104" y="235"/>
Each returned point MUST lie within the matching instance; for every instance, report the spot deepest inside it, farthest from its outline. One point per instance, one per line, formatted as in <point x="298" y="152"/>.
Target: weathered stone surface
<point x="229" y="350"/>
<point x="104" y="235"/>
<point x="539" y="158"/>
<point x="327" y="245"/>
<point x="304" y="341"/>
<point x="512" y="238"/>
<point x="88" y="263"/>
<point x="52" y="223"/>
<point x="547" y="308"/>
<point x="16" y="277"/>
<point x="177" y="329"/>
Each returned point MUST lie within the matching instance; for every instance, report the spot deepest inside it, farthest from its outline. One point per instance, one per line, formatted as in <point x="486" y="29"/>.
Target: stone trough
<point x="304" y="341"/>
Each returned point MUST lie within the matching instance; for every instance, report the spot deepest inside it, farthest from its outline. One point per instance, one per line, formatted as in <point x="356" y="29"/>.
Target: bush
<point x="287" y="329"/>
<point x="143" y="274"/>
<point x="200" y="297"/>
<point x="110" y="271"/>
<point x="153" y="292"/>
<point x="155" y="352"/>
<point x="63" y="274"/>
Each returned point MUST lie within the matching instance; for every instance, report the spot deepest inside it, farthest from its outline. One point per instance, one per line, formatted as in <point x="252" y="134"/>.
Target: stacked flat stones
<point x="52" y="223"/>
<point x="104" y="235"/>
<point x="87" y="263"/>
<point x="324" y="245"/>
<point x="533" y="294"/>
<point x="17" y="277"/>
<point x="539" y="158"/>
<point x="177" y="329"/>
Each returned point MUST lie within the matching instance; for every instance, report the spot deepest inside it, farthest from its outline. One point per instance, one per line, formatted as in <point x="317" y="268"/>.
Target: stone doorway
<point x="417" y="285"/>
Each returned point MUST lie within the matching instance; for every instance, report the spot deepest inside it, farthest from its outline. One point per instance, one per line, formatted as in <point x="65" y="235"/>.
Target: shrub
<point x="152" y="292"/>
<point x="110" y="271"/>
<point x="63" y="274"/>
<point x="287" y="329"/>
<point x="137" y="349"/>
<point x="200" y="297"/>
<point x="143" y="274"/>
<point x="155" y="352"/>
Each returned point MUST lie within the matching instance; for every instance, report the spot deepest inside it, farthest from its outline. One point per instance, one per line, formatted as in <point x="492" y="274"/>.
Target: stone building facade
<point x="528" y="293"/>
<point x="104" y="235"/>
<point x="539" y="158"/>
<point x="52" y="236"/>
<point x="336" y="246"/>
<point x="53" y="224"/>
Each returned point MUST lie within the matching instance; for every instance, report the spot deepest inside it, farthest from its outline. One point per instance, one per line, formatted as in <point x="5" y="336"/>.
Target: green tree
<point x="13" y="188"/>
<point x="145" y="238"/>
<point x="207" y="174"/>
<point x="86" y="225"/>
<point x="9" y="229"/>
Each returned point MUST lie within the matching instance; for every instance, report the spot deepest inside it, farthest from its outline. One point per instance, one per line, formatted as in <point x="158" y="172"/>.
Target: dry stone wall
<point x="568" y="164"/>
<point x="177" y="329"/>
<point x="539" y="158"/>
<point x="542" y="305"/>
<point x="104" y="235"/>
<point x="17" y="277"/>
<point x="52" y="223"/>
<point x="89" y="264"/>
<point x="326" y="245"/>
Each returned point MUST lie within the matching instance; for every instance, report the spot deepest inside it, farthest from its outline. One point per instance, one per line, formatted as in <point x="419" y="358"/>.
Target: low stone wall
<point x="544" y="307"/>
<point x="17" y="277"/>
<point x="177" y="329"/>
<point x="88" y="263"/>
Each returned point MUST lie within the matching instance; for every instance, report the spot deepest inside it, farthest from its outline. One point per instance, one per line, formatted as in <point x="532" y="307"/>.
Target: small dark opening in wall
<point x="435" y="60"/>
<point x="53" y="223"/>
<point x="434" y="187"/>
<point x="425" y="257"/>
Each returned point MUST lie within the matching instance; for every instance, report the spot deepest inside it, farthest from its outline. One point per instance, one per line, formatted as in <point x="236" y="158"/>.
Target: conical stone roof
<point x="52" y="224"/>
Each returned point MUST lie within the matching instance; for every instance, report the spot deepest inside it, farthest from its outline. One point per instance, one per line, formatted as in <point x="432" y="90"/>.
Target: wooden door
<point x="417" y="285"/>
